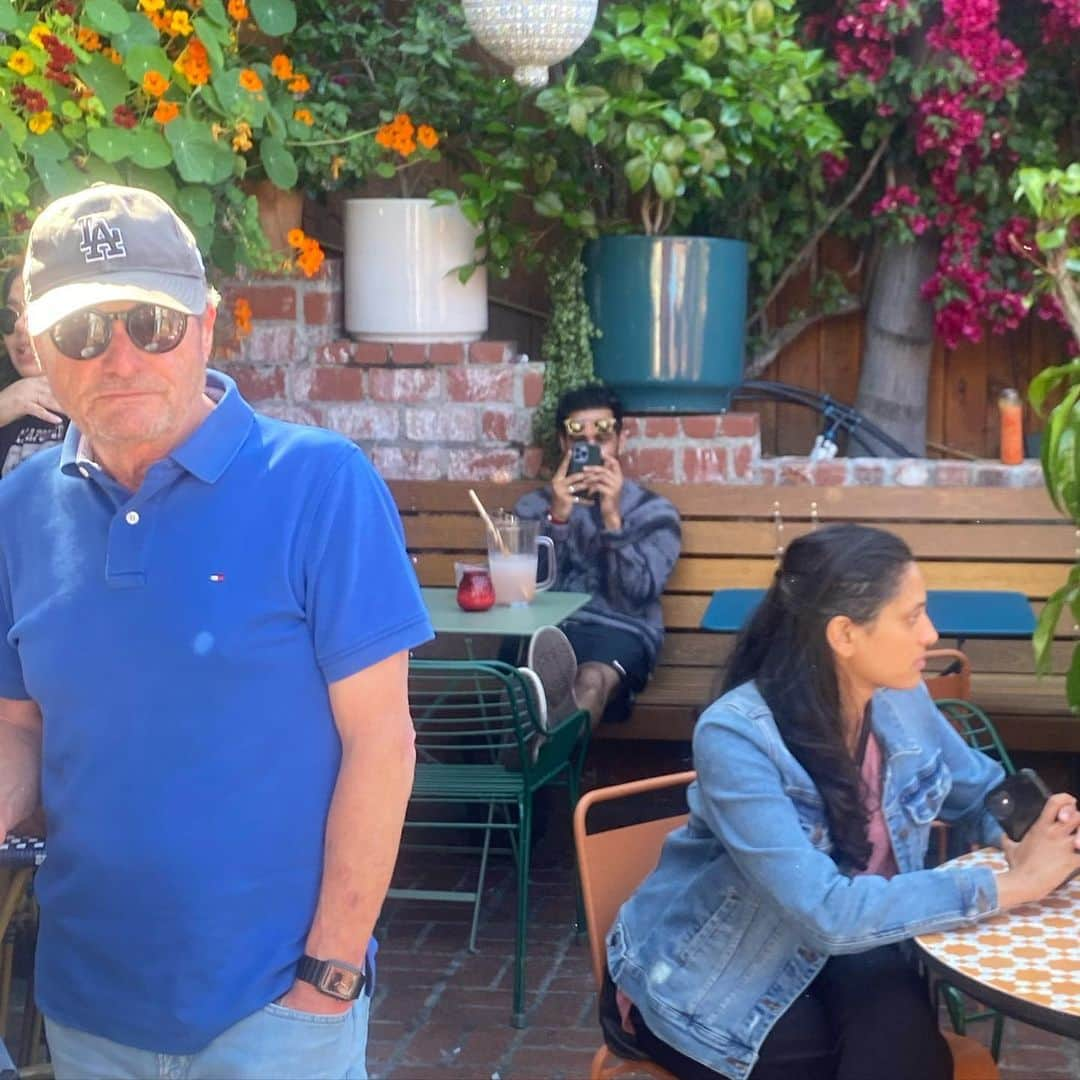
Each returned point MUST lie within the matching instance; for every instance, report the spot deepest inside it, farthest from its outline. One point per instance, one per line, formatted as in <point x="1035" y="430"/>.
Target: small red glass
<point x="475" y="590"/>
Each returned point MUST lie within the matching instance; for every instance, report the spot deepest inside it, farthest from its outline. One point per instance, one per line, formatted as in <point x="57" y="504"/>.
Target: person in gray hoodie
<point x="613" y="539"/>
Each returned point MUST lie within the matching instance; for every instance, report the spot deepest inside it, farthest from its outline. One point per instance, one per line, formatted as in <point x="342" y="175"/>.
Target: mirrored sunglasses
<point x="604" y="428"/>
<point x="8" y="318"/>
<point x="86" y="334"/>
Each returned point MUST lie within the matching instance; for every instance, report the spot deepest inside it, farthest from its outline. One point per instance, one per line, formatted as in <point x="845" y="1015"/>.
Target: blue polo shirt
<point x="179" y="641"/>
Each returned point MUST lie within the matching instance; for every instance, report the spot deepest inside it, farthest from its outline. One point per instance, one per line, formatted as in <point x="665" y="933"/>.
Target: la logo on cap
<point x="100" y="240"/>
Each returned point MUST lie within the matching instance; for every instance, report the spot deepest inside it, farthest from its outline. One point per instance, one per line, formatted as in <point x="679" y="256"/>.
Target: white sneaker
<point x="552" y="658"/>
<point x="535" y="689"/>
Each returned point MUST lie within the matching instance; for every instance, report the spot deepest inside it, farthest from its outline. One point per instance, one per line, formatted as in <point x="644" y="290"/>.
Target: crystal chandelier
<point x="530" y="35"/>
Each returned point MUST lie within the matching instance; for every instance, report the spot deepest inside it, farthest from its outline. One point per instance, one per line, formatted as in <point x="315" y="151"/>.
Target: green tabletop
<point x="547" y="609"/>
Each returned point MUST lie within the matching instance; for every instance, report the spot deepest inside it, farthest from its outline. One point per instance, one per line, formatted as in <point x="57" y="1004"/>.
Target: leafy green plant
<point x="677" y="99"/>
<point x="567" y="344"/>
<point x="373" y="67"/>
<point x="185" y="100"/>
<point x="1054" y="197"/>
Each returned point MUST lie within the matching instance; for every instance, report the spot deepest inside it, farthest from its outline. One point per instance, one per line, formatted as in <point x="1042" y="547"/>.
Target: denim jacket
<point x="746" y="904"/>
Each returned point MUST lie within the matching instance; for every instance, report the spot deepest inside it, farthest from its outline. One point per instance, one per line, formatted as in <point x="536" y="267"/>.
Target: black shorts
<point x="620" y="649"/>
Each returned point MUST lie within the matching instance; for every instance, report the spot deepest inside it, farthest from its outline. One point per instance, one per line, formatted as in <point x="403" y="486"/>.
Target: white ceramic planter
<point x="400" y="255"/>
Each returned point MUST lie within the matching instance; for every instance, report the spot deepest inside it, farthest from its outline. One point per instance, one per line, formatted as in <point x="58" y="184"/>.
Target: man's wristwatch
<point x="333" y="977"/>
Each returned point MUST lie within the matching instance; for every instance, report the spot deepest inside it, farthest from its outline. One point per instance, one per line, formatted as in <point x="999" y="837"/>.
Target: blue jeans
<point x="267" y="1045"/>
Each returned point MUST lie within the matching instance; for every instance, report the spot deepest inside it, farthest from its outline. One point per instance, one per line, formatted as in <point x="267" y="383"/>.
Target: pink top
<point x="882" y="861"/>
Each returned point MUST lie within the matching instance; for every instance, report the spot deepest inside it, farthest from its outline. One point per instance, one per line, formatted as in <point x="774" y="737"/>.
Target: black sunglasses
<point x="8" y="319"/>
<point x="151" y="327"/>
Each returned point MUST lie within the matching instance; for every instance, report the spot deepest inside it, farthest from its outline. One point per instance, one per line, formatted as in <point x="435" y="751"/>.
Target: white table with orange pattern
<point x="1024" y="962"/>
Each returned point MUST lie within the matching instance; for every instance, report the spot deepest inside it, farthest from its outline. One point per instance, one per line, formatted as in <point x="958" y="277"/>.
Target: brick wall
<point x="464" y="412"/>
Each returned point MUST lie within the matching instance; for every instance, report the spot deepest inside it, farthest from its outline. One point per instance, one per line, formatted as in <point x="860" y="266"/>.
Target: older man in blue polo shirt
<point x="205" y="618"/>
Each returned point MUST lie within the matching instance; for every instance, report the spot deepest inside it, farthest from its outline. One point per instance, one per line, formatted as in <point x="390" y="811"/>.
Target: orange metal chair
<point x="613" y="863"/>
<point x="950" y="683"/>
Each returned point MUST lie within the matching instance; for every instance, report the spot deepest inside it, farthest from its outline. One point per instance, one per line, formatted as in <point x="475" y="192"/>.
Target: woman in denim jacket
<point x="768" y="941"/>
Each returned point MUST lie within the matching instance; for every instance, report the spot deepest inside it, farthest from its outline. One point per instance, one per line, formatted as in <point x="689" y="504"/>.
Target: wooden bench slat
<point x="1048" y="543"/>
<point x="869" y="504"/>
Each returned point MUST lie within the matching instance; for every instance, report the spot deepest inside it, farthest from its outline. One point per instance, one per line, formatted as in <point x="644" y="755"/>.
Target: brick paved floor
<point x="443" y="1012"/>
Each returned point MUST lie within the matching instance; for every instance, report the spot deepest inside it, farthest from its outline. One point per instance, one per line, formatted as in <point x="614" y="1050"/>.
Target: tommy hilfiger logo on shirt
<point x="100" y="240"/>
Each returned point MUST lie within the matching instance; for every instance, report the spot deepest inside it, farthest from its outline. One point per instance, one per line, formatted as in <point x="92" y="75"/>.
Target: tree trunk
<point x="894" y="378"/>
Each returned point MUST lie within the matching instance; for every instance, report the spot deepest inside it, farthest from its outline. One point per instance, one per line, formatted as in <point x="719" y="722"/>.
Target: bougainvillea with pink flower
<point x="962" y="91"/>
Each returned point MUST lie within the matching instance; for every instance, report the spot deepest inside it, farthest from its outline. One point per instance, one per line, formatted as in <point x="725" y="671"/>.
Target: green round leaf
<point x="196" y="204"/>
<point x="108" y="16"/>
<point x="274" y="17"/>
<point x="107" y="80"/>
<point x="149" y="149"/>
<point x="9" y="18"/>
<point x="279" y="164"/>
<point x="664" y="180"/>
<point x="159" y="181"/>
<point x="211" y="36"/>
<point x="144" y="58"/>
<point x="215" y="12"/>
<point x="48" y="147"/>
<point x="199" y="158"/>
<point x="109" y="143"/>
<point x="141" y="32"/>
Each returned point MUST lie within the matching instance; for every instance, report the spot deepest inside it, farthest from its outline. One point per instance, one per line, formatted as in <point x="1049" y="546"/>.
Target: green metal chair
<point x="481" y="750"/>
<point x="979" y="733"/>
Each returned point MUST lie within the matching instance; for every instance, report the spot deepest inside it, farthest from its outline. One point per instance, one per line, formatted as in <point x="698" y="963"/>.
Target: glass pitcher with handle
<point x="513" y="558"/>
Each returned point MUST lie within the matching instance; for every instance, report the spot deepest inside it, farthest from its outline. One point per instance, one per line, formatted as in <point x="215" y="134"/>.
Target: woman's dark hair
<point x="589" y="396"/>
<point x="847" y="570"/>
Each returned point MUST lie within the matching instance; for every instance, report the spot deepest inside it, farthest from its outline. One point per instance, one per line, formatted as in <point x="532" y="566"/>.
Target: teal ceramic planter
<point x="672" y="313"/>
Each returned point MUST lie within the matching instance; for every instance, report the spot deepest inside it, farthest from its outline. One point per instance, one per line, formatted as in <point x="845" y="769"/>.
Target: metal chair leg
<point x="524" y="850"/>
<point x="480" y="879"/>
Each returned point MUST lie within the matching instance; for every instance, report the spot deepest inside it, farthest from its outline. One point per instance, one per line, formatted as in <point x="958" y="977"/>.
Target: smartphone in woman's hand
<point x="1017" y="802"/>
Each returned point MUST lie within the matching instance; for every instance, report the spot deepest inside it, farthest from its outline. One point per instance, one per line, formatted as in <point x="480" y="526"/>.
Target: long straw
<point x="488" y="522"/>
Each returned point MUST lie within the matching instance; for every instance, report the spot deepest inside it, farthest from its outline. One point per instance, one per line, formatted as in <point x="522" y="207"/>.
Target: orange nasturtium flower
<point x="303" y="116"/>
<point x="112" y="56"/>
<point x="194" y="63"/>
<point x="242" y="137"/>
<point x="300" y="85"/>
<point x="37" y="33"/>
<point x="166" y="112"/>
<point x="40" y="122"/>
<point x="238" y="10"/>
<point x="150" y="6"/>
<point x="281" y="67"/>
<point x="89" y="39"/>
<point x="19" y="62"/>
<point x="295" y="238"/>
<point x="242" y="316"/>
<point x="250" y="80"/>
<point x="427" y="137"/>
<point x="154" y="83"/>
<point x="310" y="258"/>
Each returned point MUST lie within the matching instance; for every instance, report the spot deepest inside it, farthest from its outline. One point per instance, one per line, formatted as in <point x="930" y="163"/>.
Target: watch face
<point x="339" y="982"/>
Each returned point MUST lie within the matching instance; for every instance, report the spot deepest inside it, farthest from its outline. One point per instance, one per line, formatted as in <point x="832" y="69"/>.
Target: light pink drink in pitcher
<point x="512" y="560"/>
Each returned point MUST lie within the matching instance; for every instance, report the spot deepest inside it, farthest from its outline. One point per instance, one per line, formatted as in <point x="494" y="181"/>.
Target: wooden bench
<point x="964" y="538"/>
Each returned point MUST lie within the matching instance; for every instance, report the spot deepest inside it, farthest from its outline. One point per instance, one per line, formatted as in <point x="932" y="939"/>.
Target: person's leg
<point x="78" y="1055"/>
<point x="885" y="1024"/>
<point x="613" y="665"/>
<point x="276" y="1042"/>
<point x="594" y="688"/>
<point x="799" y="1047"/>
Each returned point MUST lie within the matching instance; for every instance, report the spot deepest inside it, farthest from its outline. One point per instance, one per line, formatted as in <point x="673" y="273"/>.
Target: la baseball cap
<point x="110" y="243"/>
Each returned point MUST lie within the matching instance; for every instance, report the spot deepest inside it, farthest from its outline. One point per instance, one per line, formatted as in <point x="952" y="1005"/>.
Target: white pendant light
<point x="530" y="35"/>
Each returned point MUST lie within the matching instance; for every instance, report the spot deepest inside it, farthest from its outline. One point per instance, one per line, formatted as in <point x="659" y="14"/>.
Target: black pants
<point x="865" y="1015"/>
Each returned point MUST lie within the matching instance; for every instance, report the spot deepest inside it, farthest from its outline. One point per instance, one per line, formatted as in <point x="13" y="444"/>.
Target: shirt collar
<point x="206" y="453"/>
